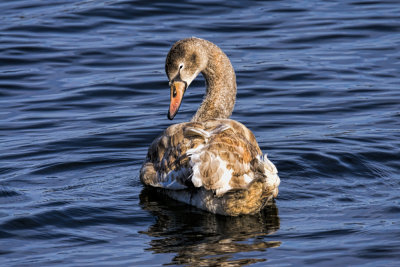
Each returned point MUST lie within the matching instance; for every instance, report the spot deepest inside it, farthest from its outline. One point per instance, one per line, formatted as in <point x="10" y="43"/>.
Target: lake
<point x="83" y="93"/>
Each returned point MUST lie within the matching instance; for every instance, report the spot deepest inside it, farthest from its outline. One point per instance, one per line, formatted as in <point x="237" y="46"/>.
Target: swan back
<point x="217" y="155"/>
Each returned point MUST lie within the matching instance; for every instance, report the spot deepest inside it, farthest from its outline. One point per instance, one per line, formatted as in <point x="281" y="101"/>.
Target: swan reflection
<point x="199" y="238"/>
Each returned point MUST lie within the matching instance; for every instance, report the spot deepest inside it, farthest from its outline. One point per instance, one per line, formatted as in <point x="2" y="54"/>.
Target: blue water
<point x="83" y="93"/>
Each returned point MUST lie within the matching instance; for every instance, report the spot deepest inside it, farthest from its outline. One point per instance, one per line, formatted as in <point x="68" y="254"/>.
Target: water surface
<point x="83" y="93"/>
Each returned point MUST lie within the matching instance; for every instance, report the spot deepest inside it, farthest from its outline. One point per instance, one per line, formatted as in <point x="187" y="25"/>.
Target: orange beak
<point x="177" y="90"/>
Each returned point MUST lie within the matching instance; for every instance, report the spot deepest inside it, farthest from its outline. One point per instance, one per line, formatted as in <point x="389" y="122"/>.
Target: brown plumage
<point x="211" y="162"/>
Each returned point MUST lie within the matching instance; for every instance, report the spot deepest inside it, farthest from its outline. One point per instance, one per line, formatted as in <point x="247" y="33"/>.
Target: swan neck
<point x="220" y="96"/>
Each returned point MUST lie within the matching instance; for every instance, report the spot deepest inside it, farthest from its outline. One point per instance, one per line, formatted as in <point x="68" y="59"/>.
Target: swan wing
<point x="218" y="155"/>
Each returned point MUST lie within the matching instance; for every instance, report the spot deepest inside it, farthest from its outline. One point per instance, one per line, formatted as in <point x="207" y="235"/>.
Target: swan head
<point x="186" y="59"/>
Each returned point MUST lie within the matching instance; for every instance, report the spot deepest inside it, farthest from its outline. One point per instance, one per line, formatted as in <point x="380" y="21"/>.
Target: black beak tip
<point x="170" y="117"/>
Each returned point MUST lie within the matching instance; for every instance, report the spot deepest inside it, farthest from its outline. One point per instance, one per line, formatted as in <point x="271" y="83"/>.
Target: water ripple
<point x="83" y="93"/>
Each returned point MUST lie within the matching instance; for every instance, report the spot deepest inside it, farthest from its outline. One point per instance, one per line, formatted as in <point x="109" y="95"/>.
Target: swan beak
<point x="178" y="88"/>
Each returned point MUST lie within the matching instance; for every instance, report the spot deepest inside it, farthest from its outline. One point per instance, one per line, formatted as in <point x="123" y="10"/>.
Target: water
<point x="83" y="93"/>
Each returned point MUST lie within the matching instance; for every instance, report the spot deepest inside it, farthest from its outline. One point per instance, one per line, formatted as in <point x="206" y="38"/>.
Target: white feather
<point x="270" y="172"/>
<point x="195" y="163"/>
<point x="225" y="178"/>
<point x="247" y="178"/>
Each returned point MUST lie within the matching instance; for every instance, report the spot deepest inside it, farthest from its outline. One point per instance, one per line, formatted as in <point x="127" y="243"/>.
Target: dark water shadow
<point x="199" y="238"/>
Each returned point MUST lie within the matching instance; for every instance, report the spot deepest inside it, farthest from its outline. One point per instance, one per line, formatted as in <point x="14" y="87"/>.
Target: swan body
<point x="211" y="162"/>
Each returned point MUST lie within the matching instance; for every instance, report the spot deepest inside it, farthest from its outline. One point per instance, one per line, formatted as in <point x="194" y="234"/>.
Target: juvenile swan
<point x="211" y="162"/>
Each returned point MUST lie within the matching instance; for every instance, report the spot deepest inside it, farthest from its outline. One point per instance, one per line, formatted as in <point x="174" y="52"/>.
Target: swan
<point x="211" y="162"/>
